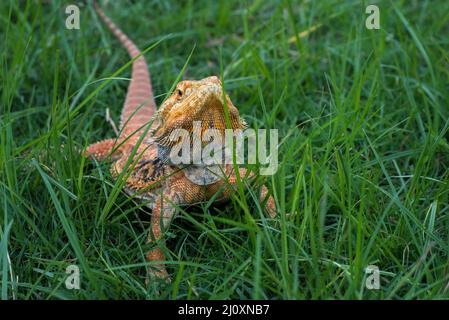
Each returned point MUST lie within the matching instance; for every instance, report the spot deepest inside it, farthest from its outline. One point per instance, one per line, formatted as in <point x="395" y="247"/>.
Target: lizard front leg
<point x="230" y="187"/>
<point x="271" y="205"/>
<point x="161" y="217"/>
<point x="178" y="191"/>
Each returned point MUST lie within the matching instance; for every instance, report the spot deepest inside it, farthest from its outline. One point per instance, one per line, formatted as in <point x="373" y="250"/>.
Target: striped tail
<point x="140" y="93"/>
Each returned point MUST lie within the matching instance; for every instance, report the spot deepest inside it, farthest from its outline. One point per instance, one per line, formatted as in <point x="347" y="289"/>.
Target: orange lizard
<point x="152" y="177"/>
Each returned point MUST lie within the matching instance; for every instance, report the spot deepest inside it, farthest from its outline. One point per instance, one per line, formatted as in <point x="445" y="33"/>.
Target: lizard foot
<point x="155" y="275"/>
<point x="158" y="271"/>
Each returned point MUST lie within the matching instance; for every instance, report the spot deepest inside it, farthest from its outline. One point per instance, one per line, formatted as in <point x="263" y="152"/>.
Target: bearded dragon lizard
<point x="153" y="178"/>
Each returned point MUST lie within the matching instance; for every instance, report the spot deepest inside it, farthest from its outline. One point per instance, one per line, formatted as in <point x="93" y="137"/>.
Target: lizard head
<point x="194" y="102"/>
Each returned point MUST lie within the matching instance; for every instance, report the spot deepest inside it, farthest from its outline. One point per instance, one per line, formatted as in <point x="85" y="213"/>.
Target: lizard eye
<point x="179" y="91"/>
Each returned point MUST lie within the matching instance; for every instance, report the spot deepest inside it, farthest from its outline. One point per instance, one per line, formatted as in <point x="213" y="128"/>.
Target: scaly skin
<point x="150" y="175"/>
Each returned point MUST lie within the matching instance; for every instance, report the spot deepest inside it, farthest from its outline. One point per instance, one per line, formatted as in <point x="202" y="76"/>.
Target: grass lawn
<point x="363" y="123"/>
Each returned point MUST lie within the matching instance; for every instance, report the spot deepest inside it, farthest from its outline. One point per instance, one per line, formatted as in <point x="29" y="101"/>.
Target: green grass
<point x="363" y="167"/>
